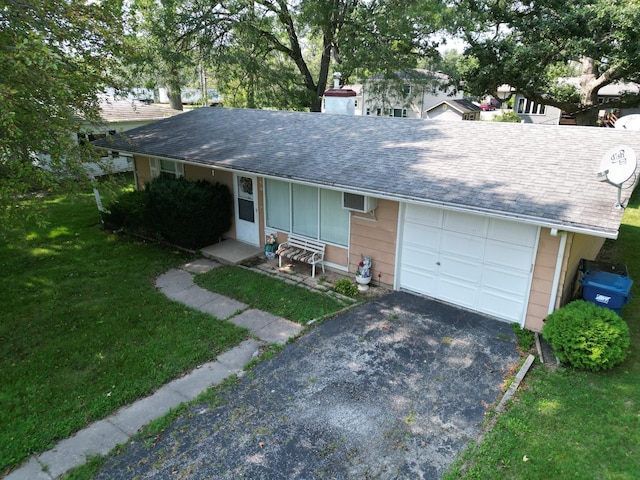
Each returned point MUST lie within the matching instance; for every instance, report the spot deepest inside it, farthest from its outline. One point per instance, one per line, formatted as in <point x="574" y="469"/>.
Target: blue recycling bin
<point x="606" y="289"/>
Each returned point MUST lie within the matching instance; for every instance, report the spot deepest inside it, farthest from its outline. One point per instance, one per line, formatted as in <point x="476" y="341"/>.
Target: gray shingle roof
<point x="540" y="174"/>
<point x="133" y="111"/>
<point x="461" y="105"/>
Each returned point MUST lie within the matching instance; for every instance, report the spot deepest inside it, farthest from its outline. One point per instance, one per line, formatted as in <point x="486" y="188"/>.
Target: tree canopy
<point x="529" y="44"/>
<point x="279" y="49"/>
<point x="55" y="56"/>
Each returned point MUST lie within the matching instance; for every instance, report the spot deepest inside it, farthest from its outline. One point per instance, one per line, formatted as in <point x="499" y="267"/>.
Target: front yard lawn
<point x="83" y="331"/>
<point x="572" y="424"/>
<point x="269" y="294"/>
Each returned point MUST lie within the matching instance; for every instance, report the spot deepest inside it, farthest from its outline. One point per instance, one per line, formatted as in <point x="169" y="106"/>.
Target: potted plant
<point x="271" y="245"/>
<point x="363" y="273"/>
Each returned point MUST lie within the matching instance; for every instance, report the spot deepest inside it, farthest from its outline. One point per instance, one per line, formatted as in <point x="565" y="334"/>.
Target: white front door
<point x="484" y="264"/>
<point x="246" y="208"/>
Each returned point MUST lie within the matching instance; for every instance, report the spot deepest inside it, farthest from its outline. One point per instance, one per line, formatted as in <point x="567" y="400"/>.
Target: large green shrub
<point x="182" y="212"/>
<point x="127" y="211"/>
<point x="587" y="336"/>
<point x="190" y="214"/>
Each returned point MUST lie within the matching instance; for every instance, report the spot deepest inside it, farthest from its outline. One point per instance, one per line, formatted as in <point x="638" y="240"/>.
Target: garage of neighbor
<point x="480" y="263"/>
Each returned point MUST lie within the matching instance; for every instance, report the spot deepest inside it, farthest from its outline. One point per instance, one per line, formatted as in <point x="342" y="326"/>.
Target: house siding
<point x="542" y="283"/>
<point x="376" y="238"/>
<point x="142" y="168"/>
<point x="578" y="246"/>
<point x="442" y="113"/>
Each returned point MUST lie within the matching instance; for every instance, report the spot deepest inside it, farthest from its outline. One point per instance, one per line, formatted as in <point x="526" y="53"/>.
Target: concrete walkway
<point x="101" y="437"/>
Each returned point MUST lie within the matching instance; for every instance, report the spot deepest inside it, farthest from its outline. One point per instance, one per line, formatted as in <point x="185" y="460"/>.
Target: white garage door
<point x="480" y="263"/>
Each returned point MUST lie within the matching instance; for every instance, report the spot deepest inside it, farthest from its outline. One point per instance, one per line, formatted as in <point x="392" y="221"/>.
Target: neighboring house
<point x="408" y="96"/>
<point x="499" y="231"/>
<point x="458" y="109"/>
<point x="119" y="116"/>
<point x="533" y="112"/>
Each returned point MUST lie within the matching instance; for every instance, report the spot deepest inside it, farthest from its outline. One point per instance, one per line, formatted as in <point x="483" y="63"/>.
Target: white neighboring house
<point x="414" y="92"/>
<point x="120" y="116"/>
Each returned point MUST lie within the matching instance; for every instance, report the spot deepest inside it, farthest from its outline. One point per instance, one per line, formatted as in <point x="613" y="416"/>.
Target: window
<point x="398" y="112"/>
<point x="278" y="205"/>
<point x="168" y="168"/>
<point x="530" y="107"/>
<point x="406" y="89"/>
<point x="305" y="210"/>
<point x="309" y="211"/>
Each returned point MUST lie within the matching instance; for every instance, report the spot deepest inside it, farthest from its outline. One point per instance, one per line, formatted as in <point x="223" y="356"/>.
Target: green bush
<point x="190" y="214"/>
<point x="525" y="337"/>
<point x="587" y="336"/>
<point x="185" y="213"/>
<point x="508" y="116"/>
<point x="127" y="211"/>
<point x="346" y="287"/>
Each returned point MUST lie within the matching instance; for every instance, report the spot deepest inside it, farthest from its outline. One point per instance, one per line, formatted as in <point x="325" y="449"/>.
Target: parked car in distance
<point x="488" y="107"/>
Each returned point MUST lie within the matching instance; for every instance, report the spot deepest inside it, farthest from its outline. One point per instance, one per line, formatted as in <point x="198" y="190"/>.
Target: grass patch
<point x="568" y="423"/>
<point x="269" y="294"/>
<point x="83" y="330"/>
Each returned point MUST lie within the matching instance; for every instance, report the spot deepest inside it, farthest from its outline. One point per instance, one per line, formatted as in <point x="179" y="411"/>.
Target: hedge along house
<point x="495" y="230"/>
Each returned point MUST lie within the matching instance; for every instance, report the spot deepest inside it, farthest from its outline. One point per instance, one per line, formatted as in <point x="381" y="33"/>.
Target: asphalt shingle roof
<point x="461" y="105"/>
<point x="534" y="173"/>
<point x="133" y="111"/>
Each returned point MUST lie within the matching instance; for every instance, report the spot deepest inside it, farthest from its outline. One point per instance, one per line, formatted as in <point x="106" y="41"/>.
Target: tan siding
<point x="578" y="246"/>
<point x="376" y="239"/>
<point x="143" y="170"/>
<point x="542" y="283"/>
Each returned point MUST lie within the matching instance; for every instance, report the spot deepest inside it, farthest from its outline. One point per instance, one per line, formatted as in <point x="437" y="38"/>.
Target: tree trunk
<point x="173" y="90"/>
<point x="589" y="86"/>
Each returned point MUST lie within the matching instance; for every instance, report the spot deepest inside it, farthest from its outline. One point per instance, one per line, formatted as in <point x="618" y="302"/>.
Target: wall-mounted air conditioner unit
<point x="358" y="203"/>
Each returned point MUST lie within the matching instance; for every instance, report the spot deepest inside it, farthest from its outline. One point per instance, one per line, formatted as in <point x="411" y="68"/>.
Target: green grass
<point x="571" y="424"/>
<point x="83" y="330"/>
<point x="269" y="294"/>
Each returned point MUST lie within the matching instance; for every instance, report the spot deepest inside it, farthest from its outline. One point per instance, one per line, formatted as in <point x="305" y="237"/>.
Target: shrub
<point x="190" y="214"/>
<point x="587" y="336"/>
<point x="509" y="116"/>
<point x="126" y="212"/>
<point x="346" y="287"/>
<point x="525" y="337"/>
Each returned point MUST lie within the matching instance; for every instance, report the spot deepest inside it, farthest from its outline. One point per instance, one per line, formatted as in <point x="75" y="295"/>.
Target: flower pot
<point x="363" y="283"/>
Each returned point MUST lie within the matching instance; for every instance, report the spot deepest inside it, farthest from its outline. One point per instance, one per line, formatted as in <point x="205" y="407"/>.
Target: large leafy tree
<point x="161" y="53"/>
<point x="287" y="48"/>
<point x="529" y="44"/>
<point x="55" y="57"/>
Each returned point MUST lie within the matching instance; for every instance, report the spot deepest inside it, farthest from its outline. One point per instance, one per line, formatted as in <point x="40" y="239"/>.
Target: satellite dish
<point x="629" y="122"/>
<point x="617" y="166"/>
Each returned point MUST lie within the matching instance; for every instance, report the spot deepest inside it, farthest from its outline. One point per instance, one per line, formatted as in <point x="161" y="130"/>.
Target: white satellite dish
<point x="629" y="122"/>
<point x="617" y="166"/>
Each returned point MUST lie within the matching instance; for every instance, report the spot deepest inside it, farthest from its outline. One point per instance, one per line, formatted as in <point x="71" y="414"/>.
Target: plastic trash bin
<point x="617" y="268"/>
<point x="606" y="289"/>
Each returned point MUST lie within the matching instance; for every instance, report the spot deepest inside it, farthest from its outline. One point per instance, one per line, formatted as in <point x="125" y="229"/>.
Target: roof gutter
<point x="385" y="196"/>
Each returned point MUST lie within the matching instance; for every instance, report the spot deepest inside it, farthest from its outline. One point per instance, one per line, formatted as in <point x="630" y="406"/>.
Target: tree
<point x="527" y="44"/>
<point x="161" y="51"/>
<point x="55" y="56"/>
<point x="298" y="40"/>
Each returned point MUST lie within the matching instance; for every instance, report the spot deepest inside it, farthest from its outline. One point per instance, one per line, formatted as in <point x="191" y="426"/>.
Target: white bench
<point x="302" y="250"/>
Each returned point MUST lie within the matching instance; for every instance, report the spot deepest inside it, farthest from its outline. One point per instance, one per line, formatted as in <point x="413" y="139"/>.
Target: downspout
<point x="556" y="274"/>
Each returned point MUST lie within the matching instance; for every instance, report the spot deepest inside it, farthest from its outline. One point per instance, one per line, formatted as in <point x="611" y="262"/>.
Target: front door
<point x="246" y="190"/>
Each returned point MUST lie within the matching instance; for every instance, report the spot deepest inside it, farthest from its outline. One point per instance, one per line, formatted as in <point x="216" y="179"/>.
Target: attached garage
<point x="480" y="263"/>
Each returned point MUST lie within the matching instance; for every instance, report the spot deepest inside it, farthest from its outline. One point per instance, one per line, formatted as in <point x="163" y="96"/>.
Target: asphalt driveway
<point x="392" y="389"/>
